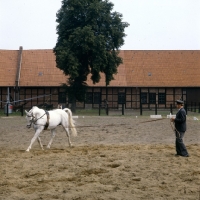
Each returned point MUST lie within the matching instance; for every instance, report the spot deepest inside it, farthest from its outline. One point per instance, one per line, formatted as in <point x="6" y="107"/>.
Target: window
<point x="62" y="97"/>
<point x="97" y="97"/>
<point x="121" y="98"/>
<point x="89" y="97"/>
<point x="161" y="98"/>
<point x="93" y="97"/>
<point x="184" y="91"/>
<point x="143" y="97"/>
<point x="152" y="98"/>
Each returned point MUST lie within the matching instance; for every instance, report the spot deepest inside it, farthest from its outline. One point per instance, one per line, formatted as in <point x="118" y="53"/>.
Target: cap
<point x="179" y="102"/>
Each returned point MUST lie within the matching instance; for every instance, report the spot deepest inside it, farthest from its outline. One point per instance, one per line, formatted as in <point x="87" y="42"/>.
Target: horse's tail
<point x="71" y="121"/>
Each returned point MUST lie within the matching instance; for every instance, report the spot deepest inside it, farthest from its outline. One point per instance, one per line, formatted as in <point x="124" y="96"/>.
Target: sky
<point x="154" y="24"/>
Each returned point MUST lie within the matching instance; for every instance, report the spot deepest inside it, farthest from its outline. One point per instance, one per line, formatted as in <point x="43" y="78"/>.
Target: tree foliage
<point x="89" y="38"/>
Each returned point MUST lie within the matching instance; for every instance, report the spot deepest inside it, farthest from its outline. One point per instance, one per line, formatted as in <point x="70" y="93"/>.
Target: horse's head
<point x="30" y="118"/>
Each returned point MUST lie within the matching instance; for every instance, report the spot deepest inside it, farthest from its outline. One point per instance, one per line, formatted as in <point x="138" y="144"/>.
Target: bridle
<point x="33" y="120"/>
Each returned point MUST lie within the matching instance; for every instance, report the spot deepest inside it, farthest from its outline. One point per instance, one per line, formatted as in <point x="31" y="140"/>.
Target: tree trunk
<point x="73" y="106"/>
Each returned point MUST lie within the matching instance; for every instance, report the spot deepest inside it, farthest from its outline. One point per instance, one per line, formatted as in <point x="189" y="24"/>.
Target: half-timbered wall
<point x="131" y="97"/>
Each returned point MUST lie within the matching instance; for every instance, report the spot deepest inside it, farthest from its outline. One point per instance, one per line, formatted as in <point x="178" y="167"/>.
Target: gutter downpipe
<point x="19" y="62"/>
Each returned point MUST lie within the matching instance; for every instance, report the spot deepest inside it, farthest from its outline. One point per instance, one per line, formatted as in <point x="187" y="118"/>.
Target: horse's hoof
<point x="27" y="150"/>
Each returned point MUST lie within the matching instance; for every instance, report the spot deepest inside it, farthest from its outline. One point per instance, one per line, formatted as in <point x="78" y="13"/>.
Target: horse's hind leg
<point x="68" y="135"/>
<point x="40" y="143"/>
<point x="53" y="133"/>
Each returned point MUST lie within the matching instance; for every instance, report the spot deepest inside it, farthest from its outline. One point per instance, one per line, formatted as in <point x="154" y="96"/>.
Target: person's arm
<point x="180" y="118"/>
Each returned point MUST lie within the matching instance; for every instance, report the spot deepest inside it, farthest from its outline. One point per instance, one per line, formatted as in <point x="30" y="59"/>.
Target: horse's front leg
<point x="37" y="133"/>
<point x="40" y="143"/>
<point x="53" y="133"/>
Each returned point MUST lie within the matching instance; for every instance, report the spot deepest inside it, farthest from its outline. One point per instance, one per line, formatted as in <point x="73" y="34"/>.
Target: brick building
<point x="146" y="77"/>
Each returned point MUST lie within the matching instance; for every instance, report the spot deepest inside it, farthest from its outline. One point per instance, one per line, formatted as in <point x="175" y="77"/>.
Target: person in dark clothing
<point x="180" y="128"/>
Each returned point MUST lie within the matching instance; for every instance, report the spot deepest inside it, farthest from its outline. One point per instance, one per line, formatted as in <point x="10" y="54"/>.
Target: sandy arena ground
<point x="113" y="158"/>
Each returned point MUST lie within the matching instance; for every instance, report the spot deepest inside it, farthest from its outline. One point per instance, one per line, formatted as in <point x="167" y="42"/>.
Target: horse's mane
<point x="35" y="108"/>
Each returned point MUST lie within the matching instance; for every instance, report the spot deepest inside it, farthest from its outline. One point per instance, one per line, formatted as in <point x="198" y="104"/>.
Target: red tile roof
<point x="39" y="69"/>
<point x="140" y="68"/>
<point x="8" y="67"/>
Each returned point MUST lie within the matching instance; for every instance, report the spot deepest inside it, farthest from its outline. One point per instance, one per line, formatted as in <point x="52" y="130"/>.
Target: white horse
<point x="41" y="120"/>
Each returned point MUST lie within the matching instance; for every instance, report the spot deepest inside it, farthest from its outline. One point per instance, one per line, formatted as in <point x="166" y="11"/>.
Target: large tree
<point x="89" y="38"/>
